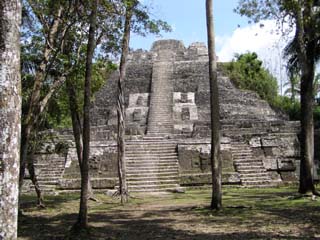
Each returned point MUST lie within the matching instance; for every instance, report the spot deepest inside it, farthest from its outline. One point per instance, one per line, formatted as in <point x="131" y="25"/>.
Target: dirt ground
<point x="277" y="213"/>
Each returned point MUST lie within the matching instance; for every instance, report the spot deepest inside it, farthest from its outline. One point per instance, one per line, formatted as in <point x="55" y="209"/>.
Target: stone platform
<point x="168" y="128"/>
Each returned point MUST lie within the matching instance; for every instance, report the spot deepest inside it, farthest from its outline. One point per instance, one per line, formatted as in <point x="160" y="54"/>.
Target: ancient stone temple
<point x="168" y="129"/>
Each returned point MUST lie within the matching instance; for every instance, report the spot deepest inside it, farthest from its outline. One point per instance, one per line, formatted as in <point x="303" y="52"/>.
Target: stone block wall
<point x="244" y="117"/>
<point x="280" y="154"/>
<point x="137" y="111"/>
<point x="195" y="165"/>
<point x="185" y="112"/>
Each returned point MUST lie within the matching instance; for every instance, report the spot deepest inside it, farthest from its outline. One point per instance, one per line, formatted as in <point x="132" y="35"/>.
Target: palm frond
<point x="290" y="53"/>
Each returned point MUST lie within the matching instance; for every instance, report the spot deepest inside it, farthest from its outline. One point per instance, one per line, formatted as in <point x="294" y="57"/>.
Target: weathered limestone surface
<point x="167" y="100"/>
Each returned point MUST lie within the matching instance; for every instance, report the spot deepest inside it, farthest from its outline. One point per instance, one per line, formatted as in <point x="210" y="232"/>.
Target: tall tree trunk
<point x="307" y="65"/>
<point x="216" y="202"/>
<point x="306" y="183"/>
<point x="10" y="116"/>
<point x="83" y="211"/>
<point x="123" y="188"/>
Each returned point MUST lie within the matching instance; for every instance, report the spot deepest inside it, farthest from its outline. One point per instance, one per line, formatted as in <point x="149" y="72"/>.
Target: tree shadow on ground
<point x="155" y="224"/>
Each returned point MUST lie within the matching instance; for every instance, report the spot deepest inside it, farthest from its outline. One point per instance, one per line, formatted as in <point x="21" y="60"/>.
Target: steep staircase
<point x="252" y="171"/>
<point x="152" y="165"/>
<point x="50" y="172"/>
<point x="160" y="121"/>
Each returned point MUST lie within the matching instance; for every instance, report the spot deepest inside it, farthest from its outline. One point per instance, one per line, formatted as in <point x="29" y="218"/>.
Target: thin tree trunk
<point x="34" y="108"/>
<point x="10" y="116"/>
<point x="76" y="122"/>
<point x="77" y="129"/>
<point x="216" y="202"/>
<point x="34" y="180"/>
<point x="123" y="188"/>
<point x="83" y="211"/>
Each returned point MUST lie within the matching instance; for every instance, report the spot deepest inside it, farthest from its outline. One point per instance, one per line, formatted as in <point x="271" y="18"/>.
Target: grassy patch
<point x="269" y="213"/>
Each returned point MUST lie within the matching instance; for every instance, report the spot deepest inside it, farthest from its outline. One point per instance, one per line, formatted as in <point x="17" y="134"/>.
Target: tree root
<point x="41" y="205"/>
<point x="125" y="196"/>
<point x="92" y="198"/>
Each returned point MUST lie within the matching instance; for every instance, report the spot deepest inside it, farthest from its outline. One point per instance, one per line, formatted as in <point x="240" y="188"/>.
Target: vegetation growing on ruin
<point x="247" y="72"/>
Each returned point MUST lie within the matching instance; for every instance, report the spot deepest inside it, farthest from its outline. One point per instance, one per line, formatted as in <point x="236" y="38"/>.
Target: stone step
<point x="153" y="138"/>
<point x="132" y="169"/>
<point x="162" y="190"/>
<point x="151" y="153"/>
<point x="150" y="143"/>
<point x="156" y="128"/>
<point x="44" y="187"/>
<point x="157" y="153"/>
<point x="241" y="153"/>
<point x="150" y="147"/>
<point x="245" y="159"/>
<point x="257" y="182"/>
<point x="255" y="178"/>
<point x="48" y="164"/>
<point x="137" y="163"/>
<point x="152" y="187"/>
<point x="163" y="132"/>
<point x="253" y="168"/>
<point x="240" y="150"/>
<point x="160" y="130"/>
<point x="155" y="171"/>
<point x="152" y="157"/>
<point x="154" y="165"/>
<point x="45" y="172"/>
<point x="47" y="183"/>
<point x="159" y="164"/>
<point x="164" y="112"/>
<point x="255" y="174"/>
<point x="160" y="127"/>
<point x="249" y="159"/>
<point x="48" y="178"/>
<point x="155" y="182"/>
<point x="137" y="156"/>
<point x="248" y="163"/>
<point x="156" y="121"/>
<point x="166" y="109"/>
<point x="165" y="173"/>
<point x="253" y="171"/>
<point x="167" y="114"/>
<point x="152" y="177"/>
<point x="154" y="151"/>
<point x="150" y="162"/>
<point x="160" y="120"/>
